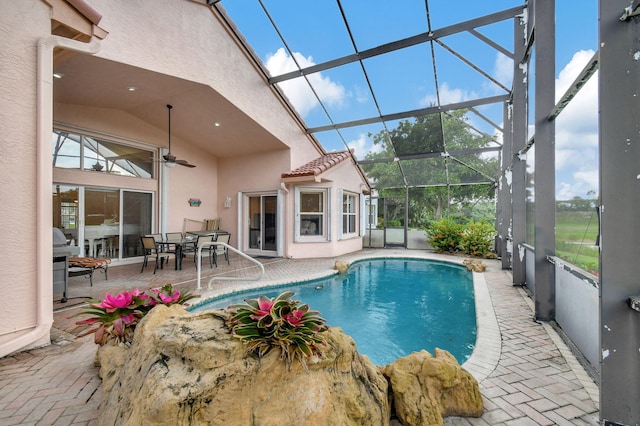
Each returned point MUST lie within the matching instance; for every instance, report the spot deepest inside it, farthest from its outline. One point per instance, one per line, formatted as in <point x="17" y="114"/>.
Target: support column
<point x="619" y="81"/>
<point x="519" y="142"/>
<point x="545" y="173"/>
<point x="504" y="246"/>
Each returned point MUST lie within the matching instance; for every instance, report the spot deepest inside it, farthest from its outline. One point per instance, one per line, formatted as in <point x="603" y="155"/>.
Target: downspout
<point x="44" y="180"/>
<point x="285" y="244"/>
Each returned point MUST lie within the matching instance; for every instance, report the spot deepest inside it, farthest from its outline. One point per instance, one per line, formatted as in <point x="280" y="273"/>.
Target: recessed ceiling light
<point x="132" y="88"/>
<point x="215" y="123"/>
<point x="58" y="74"/>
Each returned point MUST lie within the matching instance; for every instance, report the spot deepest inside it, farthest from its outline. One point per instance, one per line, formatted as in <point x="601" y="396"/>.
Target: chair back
<point x="174" y="236"/>
<point x="157" y="237"/>
<point x="149" y="243"/>
<point x="212" y="224"/>
<point x="204" y="239"/>
<point x="222" y="238"/>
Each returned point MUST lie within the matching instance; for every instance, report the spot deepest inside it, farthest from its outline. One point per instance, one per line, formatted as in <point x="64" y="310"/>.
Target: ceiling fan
<point x="170" y="159"/>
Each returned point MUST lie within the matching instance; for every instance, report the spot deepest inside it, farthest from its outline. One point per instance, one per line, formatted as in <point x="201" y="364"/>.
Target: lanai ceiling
<point x="354" y="70"/>
<point x="96" y="82"/>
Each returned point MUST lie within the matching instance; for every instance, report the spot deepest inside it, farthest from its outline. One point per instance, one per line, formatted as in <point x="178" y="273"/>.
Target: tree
<point x="430" y="166"/>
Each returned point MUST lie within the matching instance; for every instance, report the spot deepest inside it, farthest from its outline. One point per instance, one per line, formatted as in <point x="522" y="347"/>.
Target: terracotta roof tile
<point x="319" y="165"/>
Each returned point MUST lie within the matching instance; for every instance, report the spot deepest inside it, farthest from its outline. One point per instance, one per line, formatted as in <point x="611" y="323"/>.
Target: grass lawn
<point x="576" y="234"/>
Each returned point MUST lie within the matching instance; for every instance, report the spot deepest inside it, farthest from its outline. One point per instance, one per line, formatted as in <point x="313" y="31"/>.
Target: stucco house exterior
<point x="86" y="122"/>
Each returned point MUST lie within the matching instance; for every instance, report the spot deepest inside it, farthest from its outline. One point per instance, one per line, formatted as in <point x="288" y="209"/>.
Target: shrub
<point x="394" y="223"/>
<point x="477" y="238"/>
<point x="265" y="323"/>
<point x="445" y="235"/>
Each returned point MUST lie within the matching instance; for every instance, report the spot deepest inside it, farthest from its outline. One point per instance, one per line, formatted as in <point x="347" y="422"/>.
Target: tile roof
<point x="319" y="165"/>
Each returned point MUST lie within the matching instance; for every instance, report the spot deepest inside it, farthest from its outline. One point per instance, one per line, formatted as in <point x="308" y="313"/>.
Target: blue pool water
<point x="390" y="307"/>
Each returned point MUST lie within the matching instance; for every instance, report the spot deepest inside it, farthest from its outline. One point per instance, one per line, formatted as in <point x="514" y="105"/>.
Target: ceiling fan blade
<point x="185" y="163"/>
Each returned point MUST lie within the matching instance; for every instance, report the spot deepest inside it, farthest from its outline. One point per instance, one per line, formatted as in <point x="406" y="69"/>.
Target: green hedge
<point x="473" y="238"/>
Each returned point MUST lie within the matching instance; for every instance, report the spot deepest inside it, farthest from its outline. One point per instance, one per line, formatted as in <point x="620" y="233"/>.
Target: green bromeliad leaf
<point x="281" y="323"/>
<point x="285" y="296"/>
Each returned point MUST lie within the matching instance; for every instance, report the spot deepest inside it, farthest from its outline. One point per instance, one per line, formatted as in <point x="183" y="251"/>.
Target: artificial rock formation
<point x="186" y="369"/>
<point x="475" y="265"/>
<point x="425" y="389"/>
<point x="341" y="266"/>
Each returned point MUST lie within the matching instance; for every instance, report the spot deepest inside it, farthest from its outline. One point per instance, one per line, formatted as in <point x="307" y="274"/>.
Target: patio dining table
<point x="179" y="248"/>
<point x="207" y="233"/>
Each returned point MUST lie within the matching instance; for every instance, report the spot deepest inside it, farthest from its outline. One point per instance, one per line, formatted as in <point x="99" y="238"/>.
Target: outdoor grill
<point x="61" y="253"/>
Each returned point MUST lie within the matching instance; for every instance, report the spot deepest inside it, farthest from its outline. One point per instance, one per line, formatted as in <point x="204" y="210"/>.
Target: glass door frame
<point x="251" y="232"/>
<point x="81" y="222"/>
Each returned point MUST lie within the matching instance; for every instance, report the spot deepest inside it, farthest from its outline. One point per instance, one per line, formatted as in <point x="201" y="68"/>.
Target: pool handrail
<point x="235" y="250"/>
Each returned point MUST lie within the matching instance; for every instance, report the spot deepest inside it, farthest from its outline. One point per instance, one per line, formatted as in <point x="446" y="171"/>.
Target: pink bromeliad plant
<point x="265" y="323"/>
<point x="116" y="316"/>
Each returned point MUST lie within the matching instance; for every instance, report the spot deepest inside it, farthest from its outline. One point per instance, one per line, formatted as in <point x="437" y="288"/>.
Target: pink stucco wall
<point x="18" y="171"/>
<point x="345" y="177"/>
<point x="194" y="47"/>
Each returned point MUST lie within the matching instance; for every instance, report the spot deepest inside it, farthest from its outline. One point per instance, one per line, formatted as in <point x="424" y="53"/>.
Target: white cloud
<point x="448" y="96"/>
<point x="577" y="124"/>
<point x="588" y="177"/>
<point x="297" y="90"/>
<point x="362" y="96"/>
<point x="572" y="70"/>
<point x="503" y="69"/>
<point x="577" y="133"/>
<point x="581" y="183"/>
<point x="502" y="72"/>
<point x="363" y="146"/>
<point x="576" y="158"/>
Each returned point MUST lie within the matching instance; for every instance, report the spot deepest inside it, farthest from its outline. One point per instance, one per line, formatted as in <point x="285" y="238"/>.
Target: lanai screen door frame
<point x="391" y="240"/>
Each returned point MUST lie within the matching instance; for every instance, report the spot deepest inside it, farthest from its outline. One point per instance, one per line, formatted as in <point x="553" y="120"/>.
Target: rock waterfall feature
<point x="186" y="368"/>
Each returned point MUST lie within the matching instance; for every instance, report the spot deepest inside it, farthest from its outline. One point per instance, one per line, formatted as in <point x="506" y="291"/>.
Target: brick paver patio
<point x="526" y="373"/>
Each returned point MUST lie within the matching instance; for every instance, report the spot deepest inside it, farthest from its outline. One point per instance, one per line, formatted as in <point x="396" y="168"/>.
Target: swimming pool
<point x="390" y="307"/>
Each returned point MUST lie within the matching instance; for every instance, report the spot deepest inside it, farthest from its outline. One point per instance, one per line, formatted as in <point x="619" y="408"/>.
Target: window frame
<point x="349" y="217"/>
<point x="107" y="155"/>
<point x="323" y="227"/>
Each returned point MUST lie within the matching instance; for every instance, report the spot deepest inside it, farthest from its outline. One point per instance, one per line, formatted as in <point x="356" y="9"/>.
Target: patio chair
<point x="151" y="249"/>
<point x="212" y="224"/>
<point x="174" y="236"/>
<point x="221" y="250"/>
<point x="158" y="239"/>
<point x="207" y="251"/>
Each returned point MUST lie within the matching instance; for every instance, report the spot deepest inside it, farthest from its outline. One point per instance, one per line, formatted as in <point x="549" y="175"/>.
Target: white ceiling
<point x="95" y="82"/>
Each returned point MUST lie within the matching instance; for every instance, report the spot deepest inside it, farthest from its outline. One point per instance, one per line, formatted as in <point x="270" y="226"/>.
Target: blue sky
<point x="403" y="80"/>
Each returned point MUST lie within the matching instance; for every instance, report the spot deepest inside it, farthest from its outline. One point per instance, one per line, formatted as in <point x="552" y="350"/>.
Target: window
<point x="349" y="214"/>
<point x="66" y="150"/>
<point x="79" y="152"/>
<point x="312" y="213"/>
<point x="68" y="215"/>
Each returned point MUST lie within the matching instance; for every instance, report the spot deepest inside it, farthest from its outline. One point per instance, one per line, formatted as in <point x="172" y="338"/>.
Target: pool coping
<point x="488" y="346"/>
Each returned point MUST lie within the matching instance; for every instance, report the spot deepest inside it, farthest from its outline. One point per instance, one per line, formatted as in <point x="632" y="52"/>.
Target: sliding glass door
<point x="101" y="222"/>
<point x="108" y="222"/>
<point x="66" y="211"/>
<point x="263" y="229"/>
<point x="137" y="220"/>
